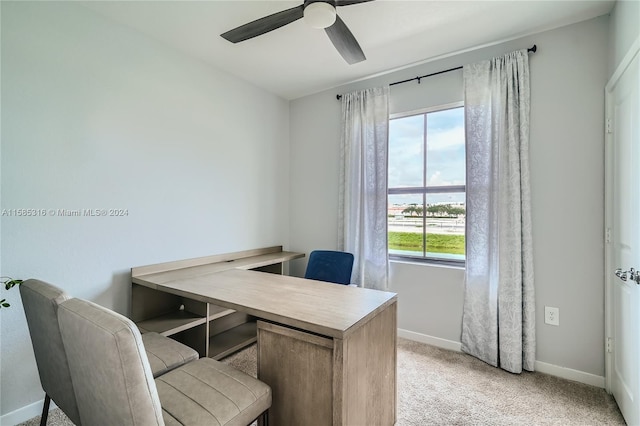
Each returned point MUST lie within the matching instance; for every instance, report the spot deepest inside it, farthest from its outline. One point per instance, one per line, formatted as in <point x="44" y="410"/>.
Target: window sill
<point x="427" y="262"/>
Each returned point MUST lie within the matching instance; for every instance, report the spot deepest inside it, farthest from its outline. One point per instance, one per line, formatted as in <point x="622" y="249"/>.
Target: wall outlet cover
<point x="551" y="315"/>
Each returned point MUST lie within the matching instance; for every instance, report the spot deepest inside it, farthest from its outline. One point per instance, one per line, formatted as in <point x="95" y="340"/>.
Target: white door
<point x="623" y="223"/>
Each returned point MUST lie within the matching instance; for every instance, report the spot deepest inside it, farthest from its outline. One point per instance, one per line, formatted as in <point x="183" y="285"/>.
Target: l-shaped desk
<point x="328" y="351"/>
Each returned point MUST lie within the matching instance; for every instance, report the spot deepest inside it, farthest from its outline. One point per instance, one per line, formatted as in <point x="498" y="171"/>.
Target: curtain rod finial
<point x="338" y="97"/>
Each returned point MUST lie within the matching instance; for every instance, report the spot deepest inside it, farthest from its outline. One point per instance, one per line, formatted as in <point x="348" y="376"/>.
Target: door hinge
<point x="609" y="344"/>
<point x="609" y="129"/>
<point x="607" y="235"/>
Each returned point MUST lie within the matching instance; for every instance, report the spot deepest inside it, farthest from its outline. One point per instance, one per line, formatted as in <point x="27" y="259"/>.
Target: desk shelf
<point x="171" y="323"/>
<point x="216" y="312"/>
<point x="232" y="340"/>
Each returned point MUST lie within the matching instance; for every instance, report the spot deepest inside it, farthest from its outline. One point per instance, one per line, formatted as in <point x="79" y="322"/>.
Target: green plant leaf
<point x="12" y="283"/>
<point x="9" y="283"/>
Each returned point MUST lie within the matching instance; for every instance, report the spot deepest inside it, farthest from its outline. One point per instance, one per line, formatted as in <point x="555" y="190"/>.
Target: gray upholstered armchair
<point x="40" y="301"/>
<point x="114" y="385"/>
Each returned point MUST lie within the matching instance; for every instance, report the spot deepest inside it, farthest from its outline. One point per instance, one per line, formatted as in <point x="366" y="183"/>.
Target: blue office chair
<point x="330" y="266"/>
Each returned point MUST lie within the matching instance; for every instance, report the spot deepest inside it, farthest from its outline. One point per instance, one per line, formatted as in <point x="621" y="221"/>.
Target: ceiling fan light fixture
<point x="320" y="15"/>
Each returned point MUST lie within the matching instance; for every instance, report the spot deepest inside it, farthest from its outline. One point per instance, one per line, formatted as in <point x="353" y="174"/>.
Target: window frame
<point x="424" y="190"/>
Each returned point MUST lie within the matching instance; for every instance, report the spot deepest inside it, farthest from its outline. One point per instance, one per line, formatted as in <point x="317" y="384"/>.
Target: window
<point x="426" y="201"/>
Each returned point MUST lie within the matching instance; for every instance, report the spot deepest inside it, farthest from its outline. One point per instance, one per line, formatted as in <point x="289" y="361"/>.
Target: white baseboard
<point x="570" y="374"/>
<point x="25" y="413"/>
<point x="430" y="340"/>
<point x="542" y="367"/>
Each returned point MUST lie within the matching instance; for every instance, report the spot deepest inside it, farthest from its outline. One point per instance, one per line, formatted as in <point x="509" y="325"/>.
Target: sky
<point x="445" y="163"/>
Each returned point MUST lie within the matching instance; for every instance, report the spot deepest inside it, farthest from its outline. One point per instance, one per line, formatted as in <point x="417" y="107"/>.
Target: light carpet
<point x="441" y="387"/>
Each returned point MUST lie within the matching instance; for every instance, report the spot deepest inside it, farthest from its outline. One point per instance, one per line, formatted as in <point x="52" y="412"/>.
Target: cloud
<point x="436" y="180"/>
<point x="445" y="151"/>
<point x="446" y="139"/>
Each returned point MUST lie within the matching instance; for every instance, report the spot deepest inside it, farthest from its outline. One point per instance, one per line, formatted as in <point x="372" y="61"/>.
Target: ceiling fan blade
<point x="264" y="25"/>
<point x="350" y="2"/>
<point x="344" y="42"/>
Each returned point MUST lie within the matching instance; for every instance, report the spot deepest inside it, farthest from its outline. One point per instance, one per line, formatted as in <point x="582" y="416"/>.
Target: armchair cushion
<point x="165" y="354"/>
<point x="208" y="392"/>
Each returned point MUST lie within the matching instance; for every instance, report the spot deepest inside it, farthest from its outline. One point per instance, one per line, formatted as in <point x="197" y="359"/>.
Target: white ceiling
<point x="297" y="60"/>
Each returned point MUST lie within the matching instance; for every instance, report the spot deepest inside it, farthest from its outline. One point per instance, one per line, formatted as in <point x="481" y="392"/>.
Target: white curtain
<point x="498" y="324"/>
<point x="362" y="228"/>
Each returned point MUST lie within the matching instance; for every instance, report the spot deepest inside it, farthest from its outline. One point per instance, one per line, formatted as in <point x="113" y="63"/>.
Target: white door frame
<point x="608" y="203"/>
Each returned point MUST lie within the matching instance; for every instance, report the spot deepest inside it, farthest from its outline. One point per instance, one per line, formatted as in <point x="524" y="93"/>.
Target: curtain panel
<point x="498" y="324"/>
<point x="362" y="228"/>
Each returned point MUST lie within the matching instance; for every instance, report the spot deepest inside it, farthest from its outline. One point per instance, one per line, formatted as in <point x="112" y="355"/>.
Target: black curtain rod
<point x="532" y="49"/>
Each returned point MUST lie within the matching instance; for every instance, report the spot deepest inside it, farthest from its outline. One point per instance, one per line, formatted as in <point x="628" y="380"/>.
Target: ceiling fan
<point x="316" y="13"/>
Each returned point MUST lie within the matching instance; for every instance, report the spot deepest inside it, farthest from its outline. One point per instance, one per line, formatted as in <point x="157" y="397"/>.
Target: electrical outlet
<point x="551" y="315"/>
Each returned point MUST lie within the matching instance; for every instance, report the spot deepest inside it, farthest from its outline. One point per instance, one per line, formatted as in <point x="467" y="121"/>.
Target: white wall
<point x="568" y="75"/>
<point x="94" y="116"/>
<point x="624" y="29"/>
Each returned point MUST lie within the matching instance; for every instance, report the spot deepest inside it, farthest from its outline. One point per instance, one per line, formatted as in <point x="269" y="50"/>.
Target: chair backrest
<point x="40" y="301"/>
<point x="330" y="266"/>
<point x="109" y="367"/>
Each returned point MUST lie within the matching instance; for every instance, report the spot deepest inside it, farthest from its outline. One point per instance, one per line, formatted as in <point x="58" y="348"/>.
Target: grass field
<point x="436" y="243"/>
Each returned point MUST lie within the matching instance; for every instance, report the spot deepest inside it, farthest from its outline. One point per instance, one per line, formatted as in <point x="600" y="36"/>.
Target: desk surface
<point x="324" y="308"/>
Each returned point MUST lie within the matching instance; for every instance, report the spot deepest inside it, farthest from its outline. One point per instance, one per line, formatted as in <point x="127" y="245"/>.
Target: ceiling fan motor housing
<point x="319" y="14"/>
<point x="308" y="2"/>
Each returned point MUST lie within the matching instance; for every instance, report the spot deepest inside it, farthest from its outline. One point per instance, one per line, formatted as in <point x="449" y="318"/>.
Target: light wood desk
<point x="328" y="351"/>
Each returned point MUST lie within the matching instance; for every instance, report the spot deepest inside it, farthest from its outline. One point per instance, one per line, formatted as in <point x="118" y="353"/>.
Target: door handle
<point x="633" y="275"/>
